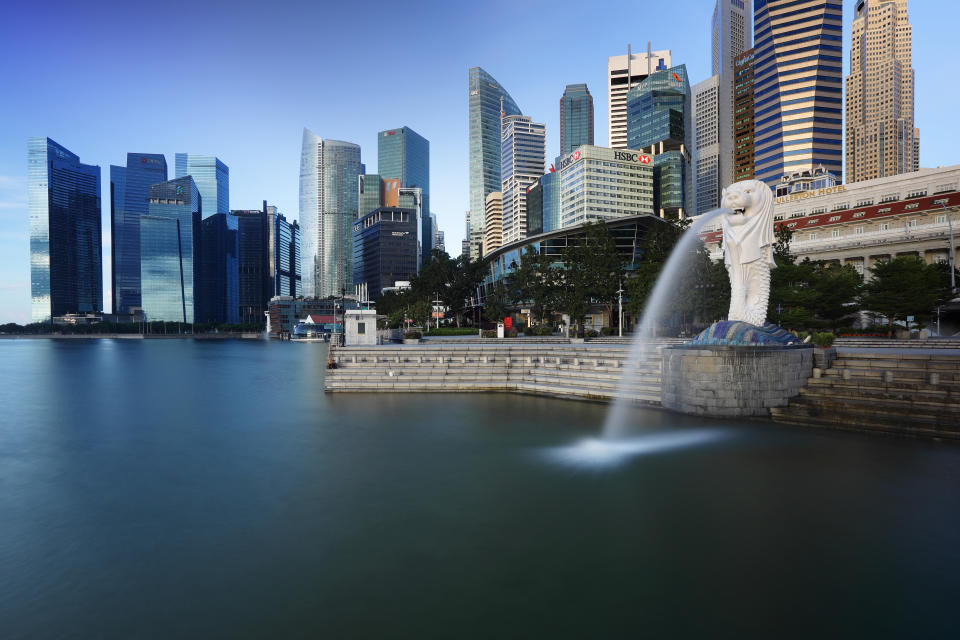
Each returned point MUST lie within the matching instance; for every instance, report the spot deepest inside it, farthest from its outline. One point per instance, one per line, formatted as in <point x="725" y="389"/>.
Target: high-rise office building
<point x="743" y="117"/>
<point x="706" y="158"/>
<point x="268" y="260"/>
<point x="576" y="118"/>
<point x="484" y="124"/>
<point x="129" y="193"/>
<point x="410" y="198"/>
<point x="440" y="244"/>
<point x="881" y="138"/>
<point x="170" y="250"/>
<point x="285" y="252"/>
<point x="550" y="184"/>
<point x="369" y="193"/>
<point x="522" y="151"/>
<point x="798" y="87"/>
<point x="329" y="171"/>
<point x="624" y="72"/>
<point x="493" y="223"/>
<point x="212" y="178"/>
<point x="465" y="243"/>
<point x="659" y="123"/>
<point x="404" y="154"/>
<point x="218" y="298"/>
<point x="384" y="248"/>
<point x="66" y="274"/>
<point x="732" y="27"/>
<point x="598" y="183"/>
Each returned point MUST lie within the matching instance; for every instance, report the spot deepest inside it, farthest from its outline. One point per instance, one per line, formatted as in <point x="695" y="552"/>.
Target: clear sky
<point x="240" y="80"/>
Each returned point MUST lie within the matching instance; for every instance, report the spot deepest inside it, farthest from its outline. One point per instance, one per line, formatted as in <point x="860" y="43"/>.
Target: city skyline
<point x="260" y="141"/>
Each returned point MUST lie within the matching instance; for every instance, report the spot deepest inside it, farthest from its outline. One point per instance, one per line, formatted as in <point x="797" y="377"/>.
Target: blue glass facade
<point x="797" y="80"/>
<point x="169" y="248"/>
<point x="405" y="155"/>
<point x="658" y="121"/>
<point x="218" y="299"/>
<point x="369" y="194"/>
<point x="212" y="178"/>
<point x="484" y="158"/>
<point x="329" y="171"/>
<point x="576" y="118"/>
<point x="129" y="193"/>
<point x="550" y="183"/>
<point x="66" y="272"/>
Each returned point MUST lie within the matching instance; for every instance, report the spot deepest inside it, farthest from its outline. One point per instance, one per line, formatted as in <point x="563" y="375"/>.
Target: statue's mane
<point x="762" y="197"/>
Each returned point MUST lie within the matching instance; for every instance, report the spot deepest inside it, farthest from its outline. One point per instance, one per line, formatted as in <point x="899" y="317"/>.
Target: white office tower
<point x="732" y="28"/>
<point x="523" y="146"/>
<point x="706" y="146"/>
<point x="624" y="72"/>
<point x="329" y="174"/>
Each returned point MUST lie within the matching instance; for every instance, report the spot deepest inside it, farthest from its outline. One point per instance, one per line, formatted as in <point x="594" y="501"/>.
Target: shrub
<point x="542" y="330"/>
<point x="823" y="339"/>
<point x="801" y="335"/>
<point x="590" y="333"/>
<point x="607" y="331"/>
<point x="412" y="335"/>
<point x="510" y="333"/>
<point x="453" y="331"/>
<point x="489" y="334"/>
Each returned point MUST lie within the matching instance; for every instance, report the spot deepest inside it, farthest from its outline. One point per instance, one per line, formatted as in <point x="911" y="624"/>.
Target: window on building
<point x="890" y="197"/>
<point x="858" y="229"/>
<point x="942" y="219"/>
<point x="917" y="194"/>
<point x="361" y="328"/>
<point x="835" y="233"/>
<point x="859" y="214"/>
<point x="834" y="218"/>
<point x="913" y="223"/>
<point x="865" y="203"/>
<point x="944" y="188"/>
<point x="840" y="206"/>
<point x="884" y="226"/>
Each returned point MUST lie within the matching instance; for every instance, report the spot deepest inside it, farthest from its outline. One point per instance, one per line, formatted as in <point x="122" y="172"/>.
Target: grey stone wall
<point x="733" y="381"/>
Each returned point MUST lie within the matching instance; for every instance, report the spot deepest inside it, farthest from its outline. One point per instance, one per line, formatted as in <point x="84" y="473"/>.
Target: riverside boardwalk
<point x="545" y="366"/>
<point x="902" y="387"/>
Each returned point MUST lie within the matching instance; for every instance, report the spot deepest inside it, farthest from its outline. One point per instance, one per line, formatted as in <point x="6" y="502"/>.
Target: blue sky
<point x="240" y="80"/>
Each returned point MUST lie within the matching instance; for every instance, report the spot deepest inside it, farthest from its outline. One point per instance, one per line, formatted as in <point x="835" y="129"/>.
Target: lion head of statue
<point x="748" y="197"/>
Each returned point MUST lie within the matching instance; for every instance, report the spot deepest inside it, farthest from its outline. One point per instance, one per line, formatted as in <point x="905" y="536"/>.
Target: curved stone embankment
<point x="581" y="371"/>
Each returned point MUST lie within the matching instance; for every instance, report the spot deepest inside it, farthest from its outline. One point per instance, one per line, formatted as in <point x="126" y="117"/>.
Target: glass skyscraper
<point x="129" y="193"/>
<point x="212" y="178"/>
<point x="329" y="171"/>
<point x="66" y="272"/>
<point x="218" y="299"/>
<point x="484" y="124"/>
<point x="798" y="87"/>
<point x="659" y="122"/>
<point x="169" y="247"/>
<point x="384" y="248"/>
<point x="405" y="155"/>
<point x="370" y="193"/>
<point x="576" y="118"/>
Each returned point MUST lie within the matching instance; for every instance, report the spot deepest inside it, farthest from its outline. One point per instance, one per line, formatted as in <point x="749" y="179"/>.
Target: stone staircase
<point x="891" y="390"/>
<point x="573" y="371"/>
<point x="886" y="343"/>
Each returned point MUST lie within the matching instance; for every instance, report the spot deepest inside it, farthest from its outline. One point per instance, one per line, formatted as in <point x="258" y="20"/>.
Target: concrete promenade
<point x="900" y="388"/>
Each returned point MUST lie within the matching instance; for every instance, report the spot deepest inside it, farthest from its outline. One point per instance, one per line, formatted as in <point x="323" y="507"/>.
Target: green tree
<point x="592" y="273"/>
<point x="534" y="282"/>
<point x="836" y="290"/>
<point x="902" y="287"/>
<point x="495" y="305"/>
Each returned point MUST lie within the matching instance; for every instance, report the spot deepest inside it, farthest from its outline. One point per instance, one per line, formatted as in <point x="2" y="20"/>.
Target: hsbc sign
<point x="629" y="156"/>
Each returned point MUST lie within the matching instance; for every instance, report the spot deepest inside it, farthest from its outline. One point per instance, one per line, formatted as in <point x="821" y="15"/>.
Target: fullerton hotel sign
<point x="815" y="193"/>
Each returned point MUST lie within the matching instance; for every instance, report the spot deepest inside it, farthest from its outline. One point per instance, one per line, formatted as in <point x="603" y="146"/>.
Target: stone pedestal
<point x="731" y="381"/>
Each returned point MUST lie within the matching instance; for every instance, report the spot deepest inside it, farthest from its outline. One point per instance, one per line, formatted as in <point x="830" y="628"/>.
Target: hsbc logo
<point x="576" y="156"/>
<point x="627" y="156"/>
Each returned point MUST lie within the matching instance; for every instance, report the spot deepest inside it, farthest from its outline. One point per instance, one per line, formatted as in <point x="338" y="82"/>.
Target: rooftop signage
<point x="815" y="193"/>
<point x="621" y="156"/>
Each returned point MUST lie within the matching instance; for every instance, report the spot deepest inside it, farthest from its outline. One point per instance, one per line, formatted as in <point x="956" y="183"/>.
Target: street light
<point x="953" y="252"/>
<point x="620" y="301"/>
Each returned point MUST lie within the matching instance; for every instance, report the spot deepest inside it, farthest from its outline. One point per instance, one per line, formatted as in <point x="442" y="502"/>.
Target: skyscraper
<point x="66" y="274"/>
<point x="598" y="183"/>
<point x="798" y="87"/>
<point x="732" y="35"/>
<point x="268" y="259"/>
<point x="624" y="72"/>
<point x="522" y="149"/>
<point x="218" y="298"/>
<point x="129" y="193"/>
<point x="659" y="122"/>
<point x="484" y="123"/>
<point x="170" y="250"/>
<point x="576" y="118"/>
<point x="743" y="117"/>
<point x="405" y="155"/>
<point x="706" y="145"/>
<point x="369" y="194"/>
<point x="212" y="178"/>
<point x="493" y="225"/>
<point x="384" y="248"/>
<point x="881" y="138"/>
<point x="329" y="171"/>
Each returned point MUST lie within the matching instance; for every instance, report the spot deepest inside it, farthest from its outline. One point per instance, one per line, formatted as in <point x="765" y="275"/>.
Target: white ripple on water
<point x="608" y="452"/>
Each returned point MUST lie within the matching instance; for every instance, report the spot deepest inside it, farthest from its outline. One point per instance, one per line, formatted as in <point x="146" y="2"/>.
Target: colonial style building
<point x="866" y="222"/>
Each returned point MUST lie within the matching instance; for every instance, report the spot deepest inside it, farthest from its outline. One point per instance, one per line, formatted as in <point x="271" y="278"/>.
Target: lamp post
<point x="620" y="302"/>
<point x="343" y="316"/>
<point x="953" y="252"/>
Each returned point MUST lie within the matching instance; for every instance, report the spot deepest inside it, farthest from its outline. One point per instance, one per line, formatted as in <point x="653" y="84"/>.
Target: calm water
<point x="165" y="489"/>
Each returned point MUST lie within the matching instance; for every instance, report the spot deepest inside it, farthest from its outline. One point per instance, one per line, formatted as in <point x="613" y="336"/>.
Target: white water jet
<point x="663" y="292"/>
<point x="598" y="453"/>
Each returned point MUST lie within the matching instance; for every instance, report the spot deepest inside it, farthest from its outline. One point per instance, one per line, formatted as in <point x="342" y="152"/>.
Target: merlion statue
<point x="748" y="249"/>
